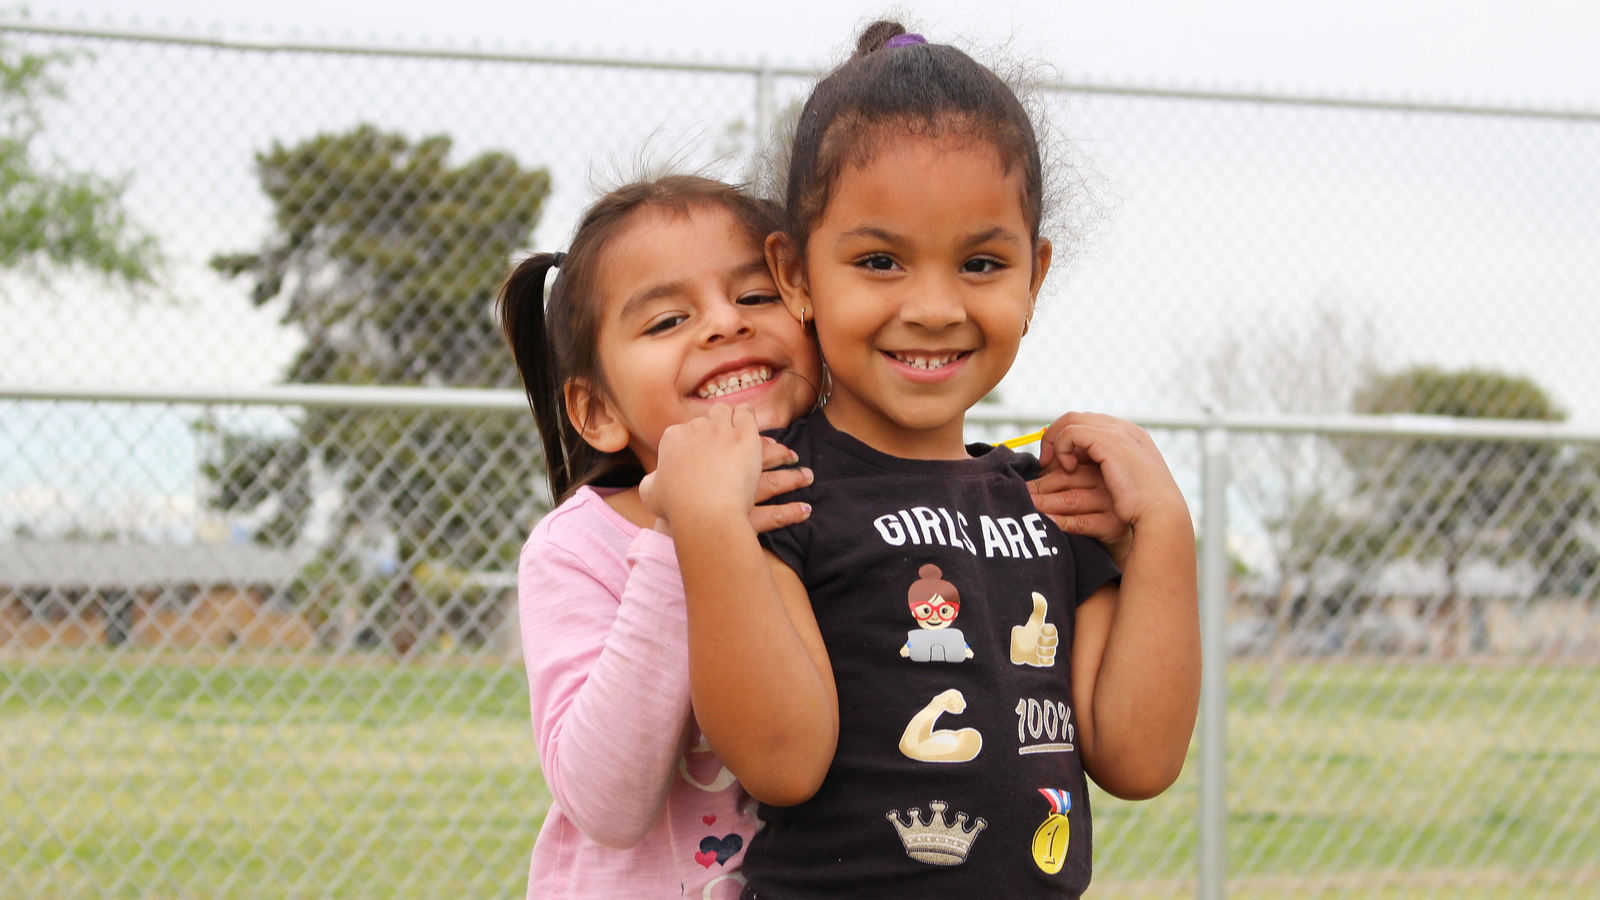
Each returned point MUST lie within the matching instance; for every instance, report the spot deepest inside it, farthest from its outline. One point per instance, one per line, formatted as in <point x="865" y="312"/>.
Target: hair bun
<point x="876" y="35"/>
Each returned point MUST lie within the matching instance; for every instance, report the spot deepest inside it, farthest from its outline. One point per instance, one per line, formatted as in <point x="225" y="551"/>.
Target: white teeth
<point x="731" y="382"/>
<point x="927" y="362"/>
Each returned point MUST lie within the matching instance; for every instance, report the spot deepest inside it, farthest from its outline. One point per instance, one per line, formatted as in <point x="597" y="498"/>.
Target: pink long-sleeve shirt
<point x="642" y="807"/>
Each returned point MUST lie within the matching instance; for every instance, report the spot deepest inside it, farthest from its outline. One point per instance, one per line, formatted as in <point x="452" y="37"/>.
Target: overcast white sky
<point x="1487" y="50"/>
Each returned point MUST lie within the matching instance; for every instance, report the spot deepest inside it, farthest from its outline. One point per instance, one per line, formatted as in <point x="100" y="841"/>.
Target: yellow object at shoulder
<point x="1022" y="441"/>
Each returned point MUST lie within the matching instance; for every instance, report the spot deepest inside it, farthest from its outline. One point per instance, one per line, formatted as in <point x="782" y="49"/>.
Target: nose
<point x="933" y="302"/>
<point x="726" y="322"/>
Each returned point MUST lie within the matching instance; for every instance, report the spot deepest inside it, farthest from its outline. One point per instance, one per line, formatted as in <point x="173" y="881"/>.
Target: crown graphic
<point x="936" y="842"/>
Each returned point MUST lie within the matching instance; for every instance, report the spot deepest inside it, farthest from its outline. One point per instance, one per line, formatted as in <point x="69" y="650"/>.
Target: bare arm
<point x="1136" y="648"/>
<point x="759" y="674"/>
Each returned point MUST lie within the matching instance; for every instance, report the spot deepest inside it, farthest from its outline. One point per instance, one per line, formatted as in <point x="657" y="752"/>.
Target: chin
<point x="929" y="419"/>
<point x="779" y="413"/>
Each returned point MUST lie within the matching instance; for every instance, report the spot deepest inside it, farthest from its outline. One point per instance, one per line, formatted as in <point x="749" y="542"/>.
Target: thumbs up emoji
<point x="1033" y="643"/>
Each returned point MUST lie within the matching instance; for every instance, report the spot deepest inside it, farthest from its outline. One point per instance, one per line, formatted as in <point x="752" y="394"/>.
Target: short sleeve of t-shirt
<point x="1094" y="566"/>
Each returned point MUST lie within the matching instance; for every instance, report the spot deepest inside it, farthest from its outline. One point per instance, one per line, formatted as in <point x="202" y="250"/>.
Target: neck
<point x="897" y="436"/>
<point x="628" y="504"/>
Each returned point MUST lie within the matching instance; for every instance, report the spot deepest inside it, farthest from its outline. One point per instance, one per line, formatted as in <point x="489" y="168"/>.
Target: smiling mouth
<point x="926" y="361"/>
<point x="732" y="382"/>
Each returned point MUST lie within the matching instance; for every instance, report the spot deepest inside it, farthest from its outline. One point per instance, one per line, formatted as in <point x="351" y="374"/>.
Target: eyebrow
<point x="654" y="292"/>
<point x="669" y="288"/>
<point x="752" y="267"/>
<point x="997" y="233"/>
<point x="872" y="231"/>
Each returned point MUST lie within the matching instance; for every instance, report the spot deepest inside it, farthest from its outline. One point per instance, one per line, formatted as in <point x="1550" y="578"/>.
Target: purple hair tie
<point x="904" y="40"/>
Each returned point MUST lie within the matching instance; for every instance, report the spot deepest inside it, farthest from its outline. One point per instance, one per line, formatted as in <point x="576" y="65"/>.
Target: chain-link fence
<point x="260" y="641"/>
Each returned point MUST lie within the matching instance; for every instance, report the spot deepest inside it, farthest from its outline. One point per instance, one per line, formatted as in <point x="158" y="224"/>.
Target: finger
<point x="774" y="454"/>
<point x="1049" y="635"/>
<point x="647" y="490"/>
<point x="1040" y="607"/>
<point x="720" y="413"/>
<point x="1047" y="448"/>
<point x="769" y="518"/>
<point x="781" y="481"/>
<point x="1104" y="527"/>
<point x="1056" y="478"/>
<point x="1058" y="441"/>
<point x="744" y="417"/>
<point x="1074" y="503"/>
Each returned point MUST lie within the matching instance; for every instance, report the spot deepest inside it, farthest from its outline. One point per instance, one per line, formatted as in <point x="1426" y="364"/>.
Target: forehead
<point x="949" y="183"/>
<point x="664" y="245"/>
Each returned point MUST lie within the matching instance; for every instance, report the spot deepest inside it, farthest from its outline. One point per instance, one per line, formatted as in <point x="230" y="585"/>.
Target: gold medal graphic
<point x="1050" y="841"/>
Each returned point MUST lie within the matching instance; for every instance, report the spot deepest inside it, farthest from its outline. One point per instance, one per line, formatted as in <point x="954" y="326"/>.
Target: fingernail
<point x="805" y="508"/>
<point x="810" y="475"/>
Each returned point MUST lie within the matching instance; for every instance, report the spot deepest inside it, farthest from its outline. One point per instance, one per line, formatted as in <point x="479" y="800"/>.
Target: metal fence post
<point x="1213" y="818"/>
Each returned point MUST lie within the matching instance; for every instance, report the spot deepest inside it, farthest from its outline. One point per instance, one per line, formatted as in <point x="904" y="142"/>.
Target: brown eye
<point x="947" y="611"/>
<point x="922" y="611"/>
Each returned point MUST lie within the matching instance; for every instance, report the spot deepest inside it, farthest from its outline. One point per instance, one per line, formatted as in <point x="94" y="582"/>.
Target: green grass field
<point x="127" y="777"/>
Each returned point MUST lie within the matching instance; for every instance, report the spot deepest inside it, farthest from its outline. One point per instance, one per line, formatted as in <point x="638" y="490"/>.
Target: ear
<point x="1042" y="252"/>
<point x="593" y="417"/>
<point x="788" y="270"/>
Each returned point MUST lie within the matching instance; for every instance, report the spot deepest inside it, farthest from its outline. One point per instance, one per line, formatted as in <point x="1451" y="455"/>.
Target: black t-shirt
<point x="937" y="589"/>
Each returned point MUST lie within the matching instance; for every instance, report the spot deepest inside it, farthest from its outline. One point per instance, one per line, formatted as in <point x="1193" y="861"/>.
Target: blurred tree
<point x="389" y="259"/>
<point x="1455" y="501"/>
<point x="50" y="216"/>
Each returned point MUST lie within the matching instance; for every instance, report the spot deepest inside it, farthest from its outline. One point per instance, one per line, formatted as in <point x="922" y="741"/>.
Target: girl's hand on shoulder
<point x="719" y="465"/>
<point x="779" y="475"/>
<point x="1079" y="502"/>
<point x="1125" y="462"/>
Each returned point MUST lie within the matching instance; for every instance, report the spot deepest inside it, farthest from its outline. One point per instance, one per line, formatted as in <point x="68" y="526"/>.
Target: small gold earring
<point x="802" y="318"/>
<point x="1026" y="321"/>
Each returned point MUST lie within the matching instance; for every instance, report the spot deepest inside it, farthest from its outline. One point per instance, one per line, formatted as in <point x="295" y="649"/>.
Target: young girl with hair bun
<point x="889" y="763"/>
<point x="661" y="309"/>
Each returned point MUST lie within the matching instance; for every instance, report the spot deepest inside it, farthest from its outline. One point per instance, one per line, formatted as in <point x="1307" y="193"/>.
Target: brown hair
<point x="930" y="89"/>
<point x="556" y="343"/>
<point x="930" y="585"/>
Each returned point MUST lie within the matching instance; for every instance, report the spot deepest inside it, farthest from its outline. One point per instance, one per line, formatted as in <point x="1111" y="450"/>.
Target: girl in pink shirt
<point x="662" y="307"/>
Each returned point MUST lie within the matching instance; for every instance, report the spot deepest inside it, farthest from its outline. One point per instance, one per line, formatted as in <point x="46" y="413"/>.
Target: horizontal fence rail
<point x="761" y="68"/>
<point x="505" y="400"/>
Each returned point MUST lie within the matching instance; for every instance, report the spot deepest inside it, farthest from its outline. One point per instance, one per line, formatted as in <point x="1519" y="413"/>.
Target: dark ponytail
<point x="558" y="342"/>
<point x="521" y="311"/>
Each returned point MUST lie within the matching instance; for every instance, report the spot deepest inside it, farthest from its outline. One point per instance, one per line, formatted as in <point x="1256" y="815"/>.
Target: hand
<point x="714" y="466"/>
<point x="777" y="478"/>
<point x="1133" y="471"/>
<point x="1034" y="642"/>
<point x="1079" y="502"/>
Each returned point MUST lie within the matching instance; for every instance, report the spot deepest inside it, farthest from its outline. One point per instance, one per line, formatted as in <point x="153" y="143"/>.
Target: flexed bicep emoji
<point x="1034" y="642"/>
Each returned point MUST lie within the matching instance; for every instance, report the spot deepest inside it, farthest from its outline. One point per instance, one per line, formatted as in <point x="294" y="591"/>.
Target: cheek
<point x="804" y="357"/>
<point x="644" y="379"/>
